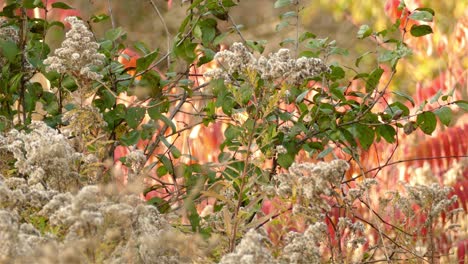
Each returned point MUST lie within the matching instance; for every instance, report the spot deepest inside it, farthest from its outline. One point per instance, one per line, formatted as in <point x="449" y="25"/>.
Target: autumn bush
<point x="215" y="151"/>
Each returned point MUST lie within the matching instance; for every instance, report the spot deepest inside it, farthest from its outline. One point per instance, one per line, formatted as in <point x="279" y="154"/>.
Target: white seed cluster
<point x="310" y="181"/>
<point x="277" y="66"/>
<point x="433" y="199"/>
<point x="78" y="54"/>
<point x="45" y="156"/>
<point x="251" y="250"/>
<point x="82" y="121"/>
<point x="135" y="160"/>
<point x="8" y="32"/>
<point x="363" y="187"/>
<point x="119" y="228"/>
<point x="304" y="248"/>
<point x="356" y="230"/>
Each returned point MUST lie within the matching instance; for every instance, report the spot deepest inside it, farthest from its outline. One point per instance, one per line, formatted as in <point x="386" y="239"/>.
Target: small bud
<point x="409" y="127"/>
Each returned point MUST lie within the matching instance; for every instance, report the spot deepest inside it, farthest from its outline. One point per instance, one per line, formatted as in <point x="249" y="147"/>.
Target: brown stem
<point x="243" y="177"/>
<point x="23" y="40"/>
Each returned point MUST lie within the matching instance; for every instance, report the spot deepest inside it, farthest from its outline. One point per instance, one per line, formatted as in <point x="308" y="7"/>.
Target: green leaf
<point x="444" y="114"/>
<point x="365" y="135"/>
<point x="281" y="25"/>
<point x="30" y="4"/>
<point x="144" y="62"/>
<point x="99" y="18"/>
<point x="287" y="41"/>
<point x="61" y="5"/>
<point x="228" y="3"/>
<point x="114" y="34"/>
<point x="337" y="73"/>
<point x="185" y="50"/>
<point x="134" y="116"/>
<point x="462" y="104"/>
<point x="387" y="132"/>
<point x="387" y="55"/>
<point x="394" y="108"/>
<point x="301" y="97"/>
<point x="364" y="31"/>
<point x="422" y="16"/>
<point x="168" y="123"/>
<point x="348" y="136"/>
<point x="358" y="60"/>
<point x="161" y="171"/>
<point x="220" y="38"/>
<point x="166" y="163"/>
<point x="162" y="205"/>
<point x="207" y="30"/>
<point x="374" y="79"/>
<point x="288" y="14"/>
<point x="420" y="30"/>
<point x="131" y="138"/>
<point x="338" y="93"/>
<point x="232" y="132"/>
<point x="282" y="3"/>
<point x="426" y="9"/>
<point x="194" y="219"/>
<point x="285" y="160"/>
<point x="9" y="10"/>
<point x="436" y="97"/>
<point x="427" y="122"/>
<point x="324" y="153"/>
<point x="174" y="151"/>
<point x="56" y="23"/>
<point x="9" y="49"/>
<point x="306" y="35"/>
<point x="258" y="46"/>
<point x="15" y="82"/>
<point x="406" y="96"/>
<point x="208" y="56"/>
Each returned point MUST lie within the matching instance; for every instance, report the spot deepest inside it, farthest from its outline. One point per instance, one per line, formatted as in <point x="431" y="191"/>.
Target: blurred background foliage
<point x="338" y="20"/>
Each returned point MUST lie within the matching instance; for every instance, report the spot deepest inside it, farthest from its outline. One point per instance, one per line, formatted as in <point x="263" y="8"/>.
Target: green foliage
<point x="328" y="112"/>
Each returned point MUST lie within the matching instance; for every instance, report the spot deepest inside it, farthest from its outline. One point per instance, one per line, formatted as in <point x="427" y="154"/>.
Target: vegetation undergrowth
<point x="214" y="152"/>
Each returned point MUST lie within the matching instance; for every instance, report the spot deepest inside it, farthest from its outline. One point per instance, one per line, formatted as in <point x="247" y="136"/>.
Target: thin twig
<point x="166" y="29"/>
<point x="406" y="160"/>
<point x="391" y="239"/>
<point x="109" y="8"/>
<point x="242" y="177"/>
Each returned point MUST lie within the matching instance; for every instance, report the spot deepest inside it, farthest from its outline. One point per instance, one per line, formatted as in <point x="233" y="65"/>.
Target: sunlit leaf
<point x="427" y="122"/>
<point x="134" y="116"/>
<point x="387" y="132"/>
<point x="420" y="30"/>
<point x="422" y="15"/>
<point x="282" y="3"/>
<point x="61" y="5"/>
<point x="374" y="79"/>
<point x="462" y="104"/>
<point x="364" y="31"/>
<point x="406" y="96"/>
<point x="444" y="114"/>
